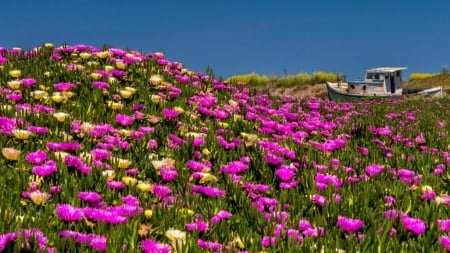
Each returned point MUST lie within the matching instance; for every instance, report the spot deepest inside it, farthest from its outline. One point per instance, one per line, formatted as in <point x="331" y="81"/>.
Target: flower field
<point x="112" y="150"/>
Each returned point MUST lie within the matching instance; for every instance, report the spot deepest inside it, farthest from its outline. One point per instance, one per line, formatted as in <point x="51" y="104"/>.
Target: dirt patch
<point x="301" y="91"/>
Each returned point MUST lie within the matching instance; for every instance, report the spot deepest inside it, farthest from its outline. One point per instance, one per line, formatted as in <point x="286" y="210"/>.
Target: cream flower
<point x="21" y="134"/>
<point x="11" y="154"/>
<point x="15" y="73"/>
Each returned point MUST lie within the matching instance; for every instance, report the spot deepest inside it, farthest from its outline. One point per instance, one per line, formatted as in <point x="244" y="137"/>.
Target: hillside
<point x="320" y="90"/>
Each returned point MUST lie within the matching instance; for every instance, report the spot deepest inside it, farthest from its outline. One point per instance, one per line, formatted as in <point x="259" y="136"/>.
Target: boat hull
<point x="337" y="95"/>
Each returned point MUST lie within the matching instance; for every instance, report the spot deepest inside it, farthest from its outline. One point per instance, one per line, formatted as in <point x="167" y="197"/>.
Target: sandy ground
<point x="300" y="91"/>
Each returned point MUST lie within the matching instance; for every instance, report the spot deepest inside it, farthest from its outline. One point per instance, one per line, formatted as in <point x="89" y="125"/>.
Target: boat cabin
<point x="385" y="79"/>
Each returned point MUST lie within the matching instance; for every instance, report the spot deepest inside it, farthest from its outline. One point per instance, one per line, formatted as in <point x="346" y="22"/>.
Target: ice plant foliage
<point x="114" y="150"/>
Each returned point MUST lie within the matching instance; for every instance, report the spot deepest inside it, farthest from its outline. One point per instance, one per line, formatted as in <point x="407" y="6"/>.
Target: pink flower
<point x="66" y="212"/>
<point x="268" y="241"/>
<point x="445" y="241"/>
<point x="284" y="174"/>
<point x="349" y="224"/>
<point x="124" y="120"/>
<point x="318" y="199"/>
<point x="46" y="169"/>
<point x="37" y="157"/>
<point x="374" y="169"/>
<point x="151" y="246"/>
<point x="90" y="197"/>
<point x="64" y="86"/>
<point x="417" y="226"/>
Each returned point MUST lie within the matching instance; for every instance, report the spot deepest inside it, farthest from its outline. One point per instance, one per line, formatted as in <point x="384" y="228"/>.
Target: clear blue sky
<point x="239" y="37"/>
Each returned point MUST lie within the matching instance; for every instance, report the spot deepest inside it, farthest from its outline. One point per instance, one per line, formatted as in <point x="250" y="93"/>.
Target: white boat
<point x="383" y="82"/>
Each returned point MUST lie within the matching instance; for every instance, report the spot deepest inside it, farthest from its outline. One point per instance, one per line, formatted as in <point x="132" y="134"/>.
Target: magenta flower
<point x="443" y="225"/>
<point x="215" y="246"/>
<point x="151" y="246"/>
<point x="374" y="169"/>
<point x="445" y="241"/>
<point x="90" y="197"/>
<point x="199" y="226"/>
<point x="208" y="191"/>
<point x="124" y="120"/>
<point x="161" y="191"/>
<point x="66" y="212"/>
<point x="28" y="82"/>
<point x="284" y="173"/>
<point x="268" y="241"/>
<point x="45" y="169"/>
<point x="417" y="226"/>
<point x="63" y="86"/>
<point x="63" y="146"/>
<point x="100" y="154"/>
<point x="115" y="185"/>
<point x="37" y="130"/>
<point x="100" y="85"/>
<point x="234" y="167"/>
<point x="349" y="224"/>
<point x="168" y="173"/>
<point x="221" y="215"/>
<point x="36" y="158"/>
<point x="318" y="199"/>
<point x="170" y="113"/>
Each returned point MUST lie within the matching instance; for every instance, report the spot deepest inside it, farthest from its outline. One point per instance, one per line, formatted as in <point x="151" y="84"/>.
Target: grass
<point x="112" y="150"/>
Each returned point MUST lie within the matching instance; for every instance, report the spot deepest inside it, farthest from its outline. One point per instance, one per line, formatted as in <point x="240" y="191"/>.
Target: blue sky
<point x="239" y="37"/>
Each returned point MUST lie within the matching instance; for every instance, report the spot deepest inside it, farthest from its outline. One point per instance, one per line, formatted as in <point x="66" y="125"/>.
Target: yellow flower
<point x="125" y="132"/>
<point x="11" y="154"/>
<point x="21" y="134"/>
<point x="49" y="45"/>
<point x="102" y="54"/>
<point x="61" y="155"/>
<point x="233" y="103"/>
<point x="131" y="89"/>
<point x="159" y="54"/>
<point x="68" y="94"/>
<point x="129" y="181"/>
<point x="186" y="211"/>
<point x="148" y="213"/>
<point x="109" y="174"/>
<point x="7" y="107"/>
<point x="47" y="74"/>
<point x="125" y="93"/>
<point x="178" y="109"/>
<point x="123" y="163"/>
<point x="144" y="187"/>
<point x="114" y="105"/>
<point x="60" y="116"/>
<point x="58" y="97"/>
<point x="238" y="242"/>
<point x="109" y="68"/>
<point x="85" y="55"/>
<point x="169" y="162"/>
<point x="223" y="124"/>
<point x="14" y="84"/>
<point x="39" y="94"/>
<point x="121" y="65"/>
<point x="112" y="80"/>
<point x="96" y="76"/>
<point x="155" y="99"/>
<point x="156" y="79"/>
<point x="206" y="152"/>
<point x="38" y="197"/>
<point x="237" y="117"/>
<point x="177" y="238"/>
<point x="15" y="73"/>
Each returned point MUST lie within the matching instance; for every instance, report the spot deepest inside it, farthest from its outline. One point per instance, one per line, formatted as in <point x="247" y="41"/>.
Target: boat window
<point x="376" y="77"/>
<point x="397" y="73"/>
<point x="369" y="76"/>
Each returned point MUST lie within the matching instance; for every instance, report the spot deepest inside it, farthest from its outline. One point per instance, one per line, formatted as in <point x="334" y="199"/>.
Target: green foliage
<point x="301" y="78"/>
